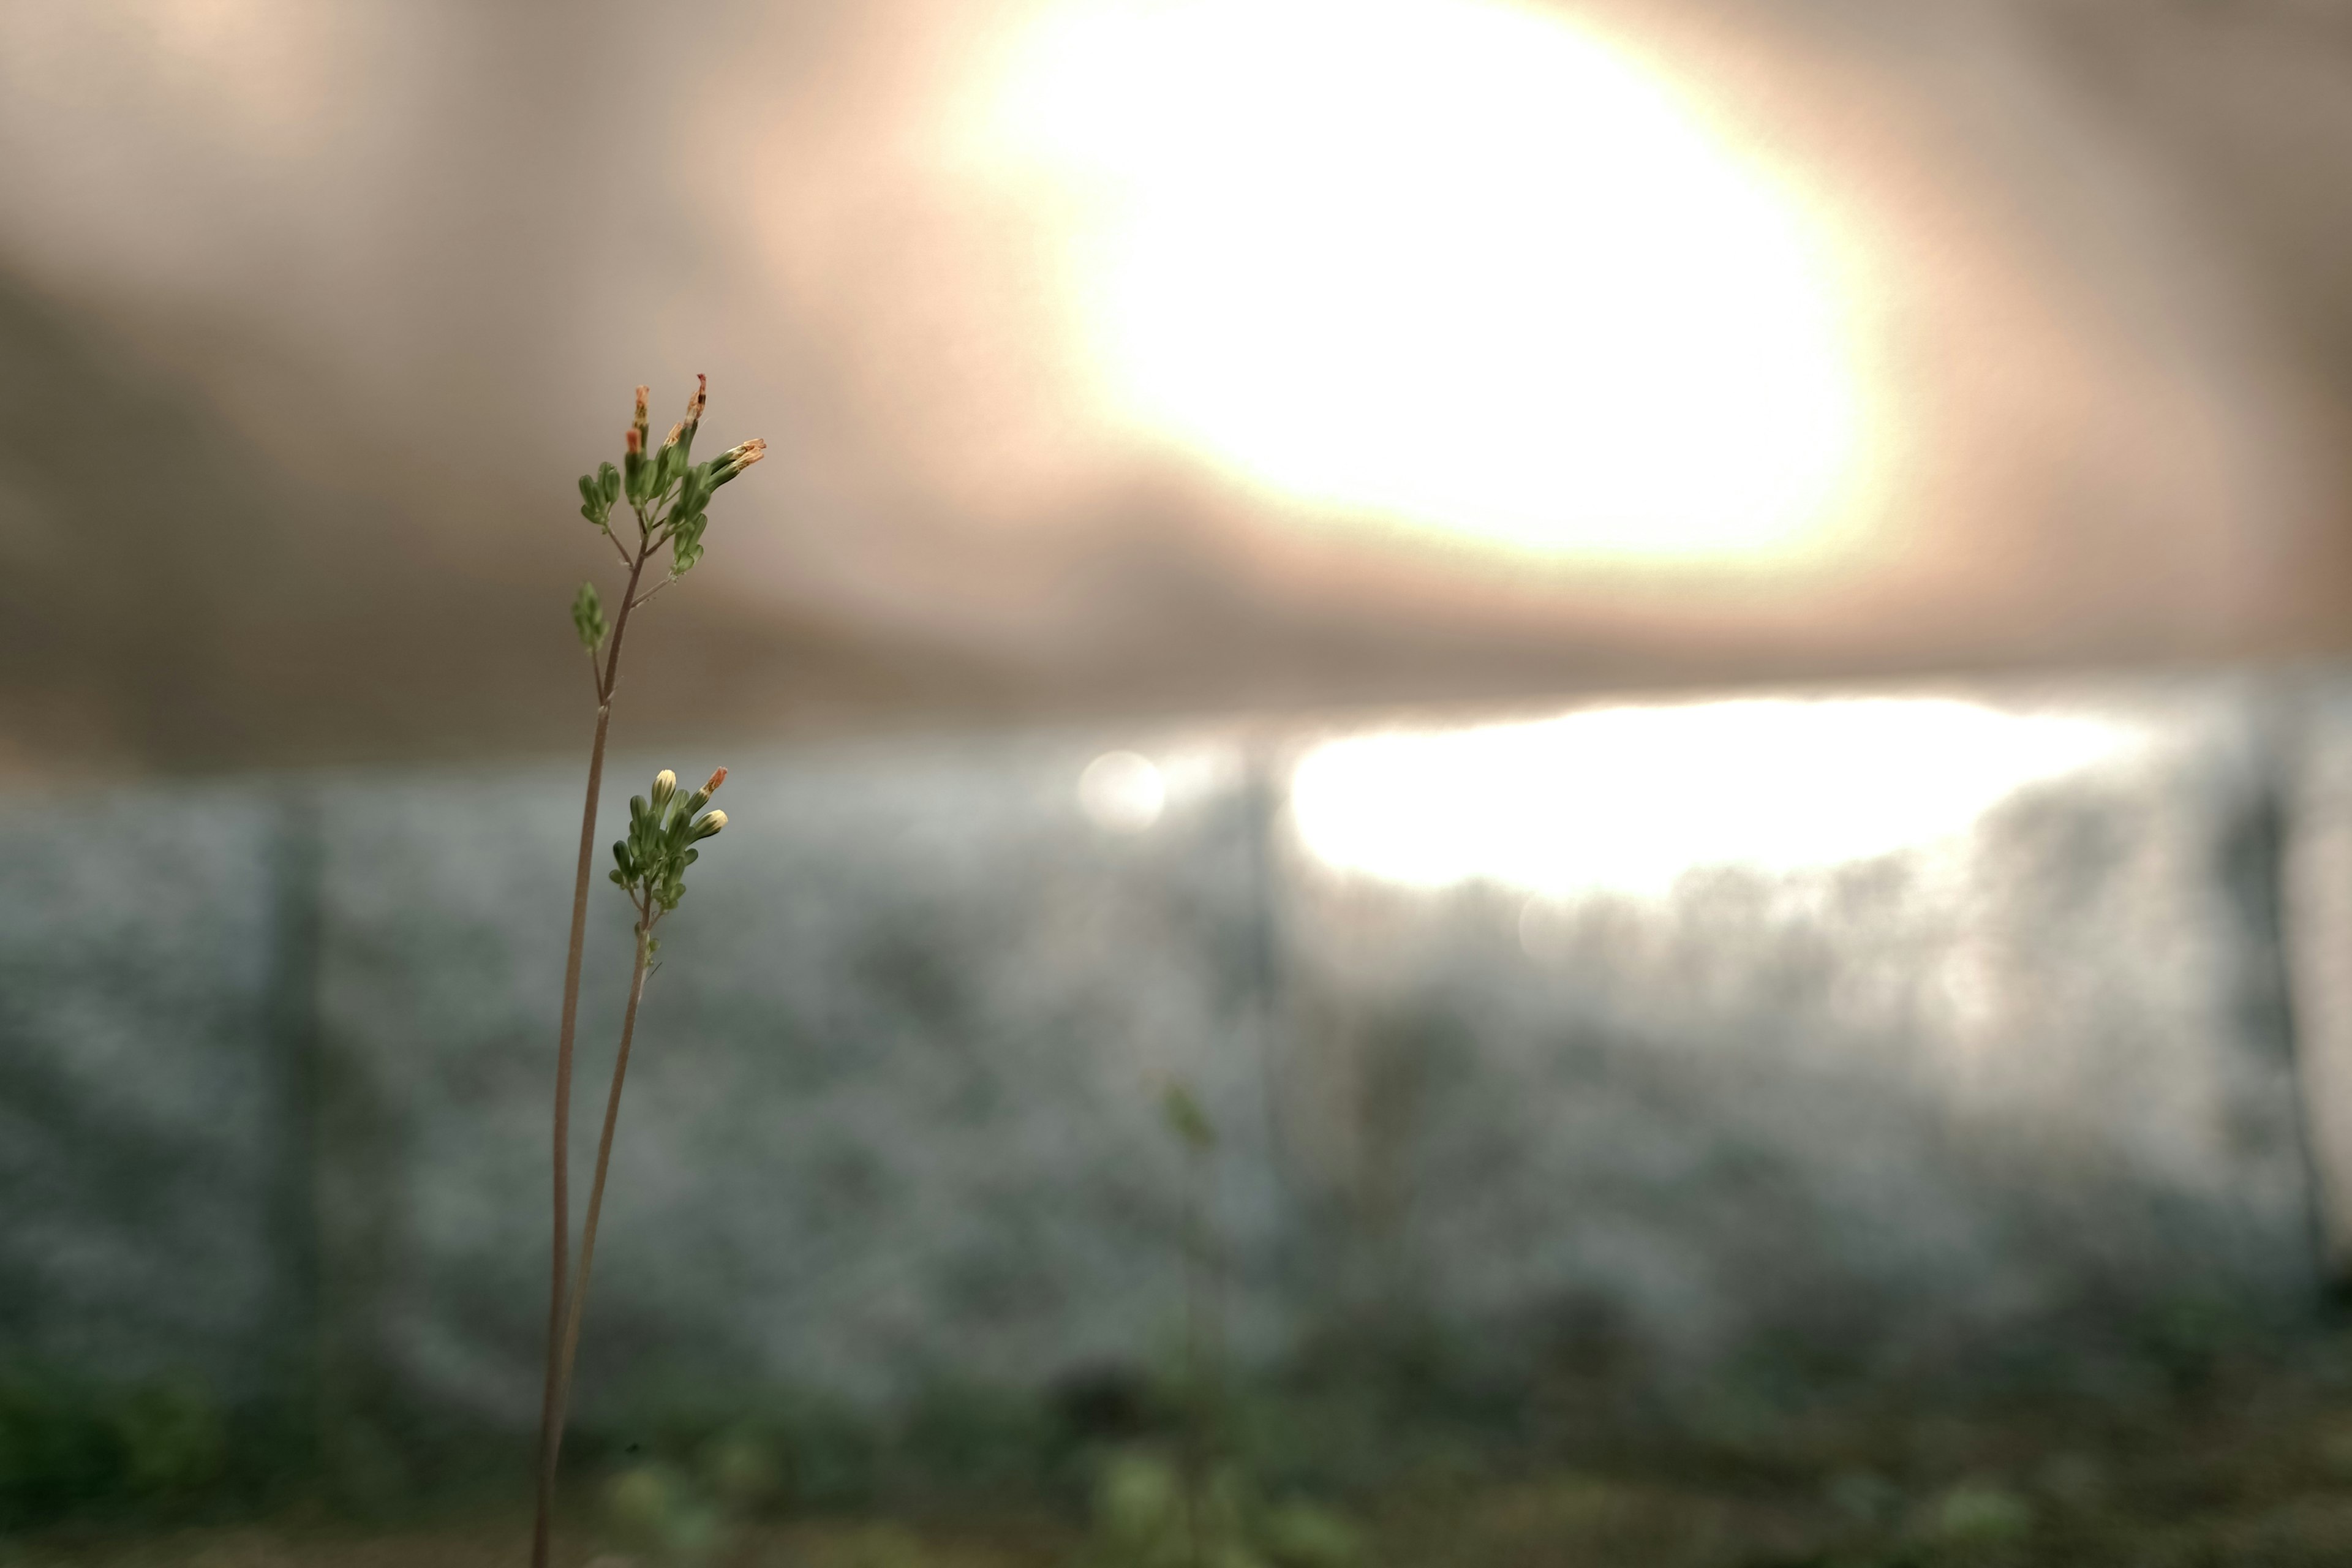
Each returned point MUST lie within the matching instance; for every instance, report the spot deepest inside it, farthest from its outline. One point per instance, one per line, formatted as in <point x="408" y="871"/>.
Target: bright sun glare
<point x="1627" y="799"/>
<point x="1455" y="264"/>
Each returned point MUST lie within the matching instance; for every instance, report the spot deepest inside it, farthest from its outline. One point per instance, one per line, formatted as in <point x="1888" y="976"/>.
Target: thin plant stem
<point x="579" y="1306"/>
<point x="551" y="1410"/>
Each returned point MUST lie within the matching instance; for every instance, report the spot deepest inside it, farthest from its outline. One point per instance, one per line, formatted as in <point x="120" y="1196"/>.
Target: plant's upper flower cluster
<point x="664" y="485"/>
<point x="664" y="828"/>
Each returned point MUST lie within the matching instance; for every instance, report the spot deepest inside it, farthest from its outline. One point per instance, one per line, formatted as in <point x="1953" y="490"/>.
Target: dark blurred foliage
<point x="2236" y="1447"/>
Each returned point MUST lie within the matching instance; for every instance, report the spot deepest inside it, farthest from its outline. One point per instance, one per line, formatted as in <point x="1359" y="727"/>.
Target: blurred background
<point x="1682" y="657"/>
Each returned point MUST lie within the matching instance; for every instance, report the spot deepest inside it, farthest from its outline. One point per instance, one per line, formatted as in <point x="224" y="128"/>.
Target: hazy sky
<point x="1174" y="354"/>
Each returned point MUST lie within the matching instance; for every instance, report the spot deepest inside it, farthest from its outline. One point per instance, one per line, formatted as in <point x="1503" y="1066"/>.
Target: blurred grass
<point x="2252" y="1475"/>
<point x="1564" y="1521"/>
<point x="2223" y="1458"/>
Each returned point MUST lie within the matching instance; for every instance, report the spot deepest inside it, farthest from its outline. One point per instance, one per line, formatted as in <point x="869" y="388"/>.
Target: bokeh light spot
<point x="1122" y="791"/>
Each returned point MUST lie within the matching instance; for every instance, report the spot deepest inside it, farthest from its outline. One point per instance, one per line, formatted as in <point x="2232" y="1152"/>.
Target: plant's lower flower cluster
<point x="664" y="828"/>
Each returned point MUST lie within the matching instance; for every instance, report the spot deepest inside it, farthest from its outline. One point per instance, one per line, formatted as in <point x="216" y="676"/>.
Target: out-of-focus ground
<point x="2237" y="1467"/>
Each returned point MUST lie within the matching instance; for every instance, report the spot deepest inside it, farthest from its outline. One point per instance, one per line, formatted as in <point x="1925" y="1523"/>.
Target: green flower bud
<point x="633" y="464"/>
<point x="693" y="492"/>
<point x="708" y="826"/>
<point x="680" y="442"/>
<point x="702" y="797"/>
<point x="735" y="459"/>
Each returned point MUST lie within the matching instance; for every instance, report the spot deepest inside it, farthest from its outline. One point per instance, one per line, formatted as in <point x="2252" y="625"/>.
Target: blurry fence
<point x="274" y="1057"/>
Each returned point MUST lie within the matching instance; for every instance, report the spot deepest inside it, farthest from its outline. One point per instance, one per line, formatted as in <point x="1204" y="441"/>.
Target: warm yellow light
<point x="1450" y="263"/>
<point x="1627" y="799"/>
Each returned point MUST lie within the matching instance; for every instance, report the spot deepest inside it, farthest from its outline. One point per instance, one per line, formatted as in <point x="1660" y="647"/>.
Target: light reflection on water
<point x="1628" y="799"/>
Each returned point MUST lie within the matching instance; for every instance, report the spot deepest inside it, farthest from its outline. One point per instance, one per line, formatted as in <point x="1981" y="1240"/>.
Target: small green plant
<point x="73" y="1444"/>
<point x="667" y="494"/>
<point x="1978" y="1514"/>
<point x="665" y="1512"/>
<point x="1204" y="1315"/>
<point x="174" y="1443"/>
<point x="1150" y="1513"/>
<point x="692" y="1508"/>
<point x="1201" y="1511"/>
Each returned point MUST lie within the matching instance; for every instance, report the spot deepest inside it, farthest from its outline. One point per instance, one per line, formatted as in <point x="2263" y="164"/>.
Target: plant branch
<point x="621" y="626"/>
<point x="551" y="1413"/>
<point x="579" y="1304"/>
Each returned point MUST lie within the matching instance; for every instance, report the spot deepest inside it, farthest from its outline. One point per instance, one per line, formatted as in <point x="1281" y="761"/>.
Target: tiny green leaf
<point x="1186" y="1118"/>
<point x="588" y="618"/>
<point x="686" y="544"/>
